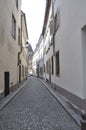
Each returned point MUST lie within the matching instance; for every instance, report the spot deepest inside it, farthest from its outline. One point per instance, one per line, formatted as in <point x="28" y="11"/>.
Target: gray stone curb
<point x="8" y="99"/>
<point x="66" y="104"/>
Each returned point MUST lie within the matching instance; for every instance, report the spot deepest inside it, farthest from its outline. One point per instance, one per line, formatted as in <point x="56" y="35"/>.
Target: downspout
<point x="21" y="33"/>
<point x="20" y="49"/>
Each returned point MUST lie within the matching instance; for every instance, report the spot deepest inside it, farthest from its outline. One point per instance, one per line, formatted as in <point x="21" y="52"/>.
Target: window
<point x="13" y="27"/>
<point x="18" y="62"/>
<point x="17" y="4"/>
<point x="57" y="20"/>
<point x="19" y="36"/>
<point x="47" y="66"/>
<point x="41" y="70"/>
<point x="57" y="64"/>
<point x="52" y="65"/>
<point x="25" y="71"/>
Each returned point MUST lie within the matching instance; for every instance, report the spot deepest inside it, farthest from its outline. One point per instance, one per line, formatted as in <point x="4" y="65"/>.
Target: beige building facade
<point x="24" y="49"/>
<point x="10" y="24"/>
<point x="30" y="55"/>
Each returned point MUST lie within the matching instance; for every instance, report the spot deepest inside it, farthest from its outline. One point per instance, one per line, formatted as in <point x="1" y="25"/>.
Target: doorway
<point x="19" y="73"/>
<point x="6" y="83"/>
<point x="49" y="71"/>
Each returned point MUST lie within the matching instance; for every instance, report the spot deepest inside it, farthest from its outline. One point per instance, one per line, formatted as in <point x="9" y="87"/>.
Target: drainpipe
<point x="20" y="52"/>
<point x="21" y="33"/>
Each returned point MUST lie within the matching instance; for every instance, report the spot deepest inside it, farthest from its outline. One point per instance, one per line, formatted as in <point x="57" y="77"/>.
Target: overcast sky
<point x="34" y="10"/>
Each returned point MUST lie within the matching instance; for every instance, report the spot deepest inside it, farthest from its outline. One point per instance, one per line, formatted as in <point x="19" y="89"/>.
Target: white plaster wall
<point x="47" y="38"/>
<point x="68" y="42"/>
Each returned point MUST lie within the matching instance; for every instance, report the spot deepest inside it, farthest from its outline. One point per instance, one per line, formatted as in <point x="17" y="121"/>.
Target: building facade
<point x="30" y="55"/>
<point x="10" y="23"/>
<point x="23" y="65"/>
<point x="38" y="58"/>
<point x="34" y="61"/>
<point x="65" y="45"/>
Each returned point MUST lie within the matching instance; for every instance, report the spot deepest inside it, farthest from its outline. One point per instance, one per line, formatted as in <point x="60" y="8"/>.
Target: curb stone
<point x="8" y="99"/>
<point x="66" y="104"/>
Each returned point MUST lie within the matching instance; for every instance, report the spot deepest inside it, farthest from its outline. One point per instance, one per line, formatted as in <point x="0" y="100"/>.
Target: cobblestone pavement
<point x="34" y="108"/>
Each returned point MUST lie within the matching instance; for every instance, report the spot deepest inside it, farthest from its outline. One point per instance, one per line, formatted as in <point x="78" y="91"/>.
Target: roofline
<point x="48" y="4"/>
<point x="23" y="14"/>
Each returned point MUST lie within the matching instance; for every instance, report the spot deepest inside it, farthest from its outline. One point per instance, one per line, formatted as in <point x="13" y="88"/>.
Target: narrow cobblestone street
<point x="34" y="108"/>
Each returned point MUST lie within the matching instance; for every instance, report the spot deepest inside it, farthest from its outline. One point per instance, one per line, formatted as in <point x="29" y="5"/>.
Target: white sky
<point x="34" y="10"/>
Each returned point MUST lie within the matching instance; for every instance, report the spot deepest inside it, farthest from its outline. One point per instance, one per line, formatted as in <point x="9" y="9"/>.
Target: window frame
<point x="13" y="31"/>
<point x="17" y="4"/>
<point x="19" y="36"/>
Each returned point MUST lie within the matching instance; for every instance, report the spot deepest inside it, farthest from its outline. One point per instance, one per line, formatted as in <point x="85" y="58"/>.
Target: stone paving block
<point x="34" y="108"/>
